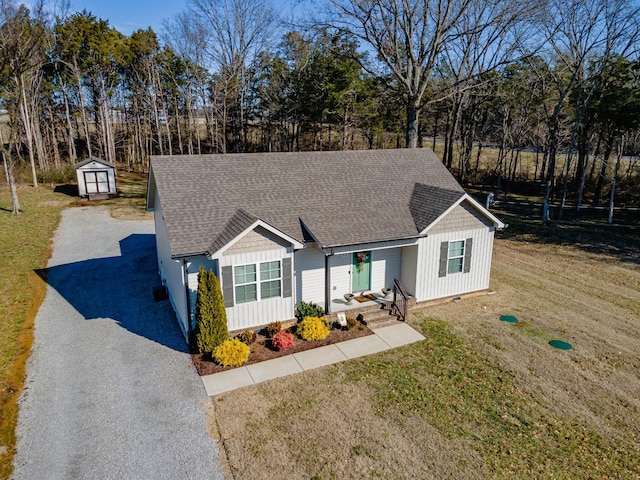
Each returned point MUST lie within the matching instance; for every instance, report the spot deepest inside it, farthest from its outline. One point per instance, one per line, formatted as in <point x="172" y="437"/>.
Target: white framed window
<point x="245" y="281"/>
<point x="270" y="279"/>
<point x="255" y="282"/>
<point x="455" y="260"/>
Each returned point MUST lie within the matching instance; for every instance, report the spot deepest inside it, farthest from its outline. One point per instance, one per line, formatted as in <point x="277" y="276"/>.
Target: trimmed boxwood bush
<point x="231" y="353"/>
<point x="282" y="340"/>
<point x="313" y="328"/>
<point x="308" y="309"/>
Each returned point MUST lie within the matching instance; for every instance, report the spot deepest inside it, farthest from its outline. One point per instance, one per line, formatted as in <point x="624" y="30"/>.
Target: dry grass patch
<point x="25" y="248"/>
<point x="479" y="398"/>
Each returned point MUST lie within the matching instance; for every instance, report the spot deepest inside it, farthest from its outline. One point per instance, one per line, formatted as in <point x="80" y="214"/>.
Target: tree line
<point x="560" y="79"/>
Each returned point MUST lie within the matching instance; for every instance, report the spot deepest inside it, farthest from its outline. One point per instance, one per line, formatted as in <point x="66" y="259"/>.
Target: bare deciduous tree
<point x="410" y="36"/>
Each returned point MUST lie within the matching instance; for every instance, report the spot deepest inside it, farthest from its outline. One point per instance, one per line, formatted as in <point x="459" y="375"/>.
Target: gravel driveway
<point x="110" y="391"/>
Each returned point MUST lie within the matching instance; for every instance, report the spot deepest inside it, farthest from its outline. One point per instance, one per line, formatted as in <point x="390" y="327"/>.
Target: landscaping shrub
<point x="351" y="323"/>
<point x="308" y="309"/>
<point x="231" y="353"/>
<point x="211" y="317"/>
<point x="313" y="328"/>
<point x="272" y="329"/>
<point x="282" y="340"/>
<point x="247" y="337"/>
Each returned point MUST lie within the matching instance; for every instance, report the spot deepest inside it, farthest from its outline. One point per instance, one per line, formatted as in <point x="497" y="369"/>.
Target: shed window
<point x="456" y="257"/>
<point x="96" y="182"/>
<point x="247" y="281"/>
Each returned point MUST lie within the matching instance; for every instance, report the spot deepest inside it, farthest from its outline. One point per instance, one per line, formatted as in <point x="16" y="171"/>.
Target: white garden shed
<point x="96" y="178"/>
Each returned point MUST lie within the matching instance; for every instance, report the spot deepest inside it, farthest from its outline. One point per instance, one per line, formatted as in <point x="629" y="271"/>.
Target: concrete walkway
<point x="384" y="338"/>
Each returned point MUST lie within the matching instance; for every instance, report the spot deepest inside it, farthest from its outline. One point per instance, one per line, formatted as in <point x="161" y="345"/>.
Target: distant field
<point x="479" y="398"/>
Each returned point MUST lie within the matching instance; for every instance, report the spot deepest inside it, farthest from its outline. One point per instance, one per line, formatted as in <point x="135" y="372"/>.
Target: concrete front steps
<point x="373" y="316"/>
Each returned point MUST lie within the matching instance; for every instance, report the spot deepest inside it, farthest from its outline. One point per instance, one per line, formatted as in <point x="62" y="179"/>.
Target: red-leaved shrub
<point x="282" y="340"/>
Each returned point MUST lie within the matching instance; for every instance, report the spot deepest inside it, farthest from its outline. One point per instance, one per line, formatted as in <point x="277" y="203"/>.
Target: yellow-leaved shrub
<point x="313" y="328"/>
<point x="231" y="353"/>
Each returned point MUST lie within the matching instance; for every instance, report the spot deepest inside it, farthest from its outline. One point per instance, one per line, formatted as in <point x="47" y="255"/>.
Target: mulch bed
<point x="261" y="349"/>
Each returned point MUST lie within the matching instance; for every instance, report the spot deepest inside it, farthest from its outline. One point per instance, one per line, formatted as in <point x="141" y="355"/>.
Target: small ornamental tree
<point x="211" y="317"/>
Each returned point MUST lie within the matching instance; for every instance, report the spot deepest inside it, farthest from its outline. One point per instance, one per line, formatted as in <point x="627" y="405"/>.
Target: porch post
<point x="327" y="285"/>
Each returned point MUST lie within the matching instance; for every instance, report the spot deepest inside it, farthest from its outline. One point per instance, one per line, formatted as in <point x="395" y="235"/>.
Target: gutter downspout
<point x="327" y="284"/>
<point x="185" y="273"/>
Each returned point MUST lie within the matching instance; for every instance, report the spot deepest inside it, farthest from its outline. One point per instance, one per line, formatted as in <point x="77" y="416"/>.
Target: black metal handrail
<point x="400" y="300"/>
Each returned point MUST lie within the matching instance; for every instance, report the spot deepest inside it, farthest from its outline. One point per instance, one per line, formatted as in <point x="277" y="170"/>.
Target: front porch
<point x="373" y="308"/>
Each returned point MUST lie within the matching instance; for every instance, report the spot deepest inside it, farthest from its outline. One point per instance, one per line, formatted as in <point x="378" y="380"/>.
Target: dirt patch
<point x="261" y="349"/>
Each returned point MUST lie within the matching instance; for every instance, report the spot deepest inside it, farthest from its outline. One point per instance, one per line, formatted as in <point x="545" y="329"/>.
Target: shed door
<point x="361" y="271"/>
<point x="97" y="182"/>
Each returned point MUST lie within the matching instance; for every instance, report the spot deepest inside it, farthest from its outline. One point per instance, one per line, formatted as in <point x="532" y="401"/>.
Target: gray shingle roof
<point x="344" y="198"/>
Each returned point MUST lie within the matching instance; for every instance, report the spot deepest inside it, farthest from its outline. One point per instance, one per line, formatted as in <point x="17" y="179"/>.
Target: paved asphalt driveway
<point x="110" y="389"/>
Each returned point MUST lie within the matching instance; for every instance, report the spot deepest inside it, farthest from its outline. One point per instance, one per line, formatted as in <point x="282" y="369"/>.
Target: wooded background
<point x="545" y="93"/>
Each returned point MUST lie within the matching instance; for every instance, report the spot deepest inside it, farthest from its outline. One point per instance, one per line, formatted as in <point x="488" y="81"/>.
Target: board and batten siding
<point x="408" y="268"/>
<point x="310" y="275"/>
<point x="252" y="314"/>
<point x="171" y="271"/>
<point x="462" y="223"/>
<point x="429" y="285"/>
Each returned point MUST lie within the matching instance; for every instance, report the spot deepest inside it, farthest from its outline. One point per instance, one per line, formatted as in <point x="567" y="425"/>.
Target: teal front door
<point x="361" y="271"/>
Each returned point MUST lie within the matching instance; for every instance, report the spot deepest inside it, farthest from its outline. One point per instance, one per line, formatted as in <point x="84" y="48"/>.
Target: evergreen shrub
<point x="231" y="353"/>
<point x="308" y="309"/>
<point x="211" y="317"/>
<point x="313" y="328"/>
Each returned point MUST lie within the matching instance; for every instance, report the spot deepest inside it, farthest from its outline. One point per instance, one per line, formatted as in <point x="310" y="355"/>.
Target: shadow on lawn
<point x="588" y="230"/>
<point x="120" y="288"/>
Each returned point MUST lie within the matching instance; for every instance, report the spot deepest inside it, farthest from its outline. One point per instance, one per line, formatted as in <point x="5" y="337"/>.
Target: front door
<point x="361" y="271"/>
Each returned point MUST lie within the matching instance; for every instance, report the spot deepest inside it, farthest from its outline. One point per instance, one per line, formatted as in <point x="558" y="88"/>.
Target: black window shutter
<point x="444" y="259"/>
<point x="468" y="245"/>
<point x="286" y="277"/>
<point x="227" y="286"/>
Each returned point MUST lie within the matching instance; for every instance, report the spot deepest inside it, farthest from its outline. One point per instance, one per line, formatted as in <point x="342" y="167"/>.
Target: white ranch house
<point x="280" y="228"/>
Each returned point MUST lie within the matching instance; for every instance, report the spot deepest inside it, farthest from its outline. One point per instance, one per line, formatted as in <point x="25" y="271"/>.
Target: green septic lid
<point x="560" y="344"/>
<point x="509" y="318"/>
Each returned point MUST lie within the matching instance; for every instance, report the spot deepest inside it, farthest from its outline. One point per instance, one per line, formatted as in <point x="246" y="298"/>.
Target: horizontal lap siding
<point x="310" y="276"/>
<point x="193" y="269"/>
<point x="429" y="286"/>
<point x="339" y="278"/>
<point x="171" y="271"/>
<point x="385" y="266"/>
